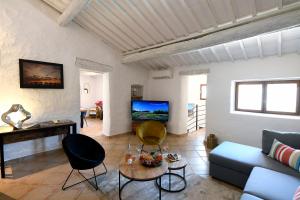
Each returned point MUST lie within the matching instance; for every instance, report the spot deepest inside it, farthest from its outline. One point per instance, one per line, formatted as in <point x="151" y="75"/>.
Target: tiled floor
<point x="93" y="127"/>
<point x="41" y="176"/>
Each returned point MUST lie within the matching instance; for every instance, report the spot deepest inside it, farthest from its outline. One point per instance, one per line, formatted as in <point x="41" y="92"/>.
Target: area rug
<point x="198" y="188"/>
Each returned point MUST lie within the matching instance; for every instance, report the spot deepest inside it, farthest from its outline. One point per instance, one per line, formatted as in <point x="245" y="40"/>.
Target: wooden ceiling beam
<point x="71" y="11"/>
<point x="238" y="32"/>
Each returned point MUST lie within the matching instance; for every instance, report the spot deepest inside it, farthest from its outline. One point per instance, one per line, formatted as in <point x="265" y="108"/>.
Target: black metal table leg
<point x="170" y="174"/>
<point x="169" y="179"/>
<point x="159" y="188"/>
<point x="119" y="185"/>
<point x="2" y="158"/>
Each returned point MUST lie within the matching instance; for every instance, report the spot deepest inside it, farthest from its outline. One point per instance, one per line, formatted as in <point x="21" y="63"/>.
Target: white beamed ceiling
<point x="134" y="25"/>
<point x="272" y="44"/>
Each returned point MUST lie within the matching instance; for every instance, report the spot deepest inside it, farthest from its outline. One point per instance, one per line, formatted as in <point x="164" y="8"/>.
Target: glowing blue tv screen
<point x="150" y="110"/>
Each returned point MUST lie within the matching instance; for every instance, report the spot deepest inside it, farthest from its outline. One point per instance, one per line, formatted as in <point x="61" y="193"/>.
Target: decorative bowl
<point x="153" y="159"/>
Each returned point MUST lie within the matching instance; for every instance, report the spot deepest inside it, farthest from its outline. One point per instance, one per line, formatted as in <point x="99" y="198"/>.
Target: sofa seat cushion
<point x="268" y="184"/>
<point x="249" y="197"/>
<point x="243" y="158"/>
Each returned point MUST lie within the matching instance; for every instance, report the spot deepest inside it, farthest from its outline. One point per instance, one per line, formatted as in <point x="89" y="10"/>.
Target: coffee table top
<point x="177" y="164"/>
<point x="136" y="171"/>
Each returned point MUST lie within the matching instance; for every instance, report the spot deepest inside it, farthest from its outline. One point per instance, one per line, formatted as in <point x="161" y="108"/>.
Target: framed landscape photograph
<point x="37" y="74"/>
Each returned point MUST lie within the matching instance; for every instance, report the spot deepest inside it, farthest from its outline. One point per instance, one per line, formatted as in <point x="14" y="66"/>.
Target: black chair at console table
<point x="40" y="130"/>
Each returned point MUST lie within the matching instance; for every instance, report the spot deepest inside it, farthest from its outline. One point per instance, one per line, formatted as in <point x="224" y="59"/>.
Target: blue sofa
<point x="250" y="168"/>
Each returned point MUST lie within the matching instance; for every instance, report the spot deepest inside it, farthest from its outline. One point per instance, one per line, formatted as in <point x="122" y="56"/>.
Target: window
<point x="275" y="97"/>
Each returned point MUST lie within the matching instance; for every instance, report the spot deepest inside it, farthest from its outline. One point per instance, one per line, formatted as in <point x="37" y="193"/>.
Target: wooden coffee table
<point x="138" y="172"/>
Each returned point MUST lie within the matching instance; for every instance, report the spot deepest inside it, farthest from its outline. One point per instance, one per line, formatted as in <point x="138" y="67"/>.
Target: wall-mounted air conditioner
<point x="162" y="74"/>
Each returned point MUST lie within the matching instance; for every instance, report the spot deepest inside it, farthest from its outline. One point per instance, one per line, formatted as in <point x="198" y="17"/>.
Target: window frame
<point x="264" y="96"/>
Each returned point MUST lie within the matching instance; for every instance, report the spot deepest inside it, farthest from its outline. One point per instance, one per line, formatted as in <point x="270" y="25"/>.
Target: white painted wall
<point x="94" y="84"/>
<point x="175" y="91"/>
<point x="246" y="129"/>
<point x="194" y="82"/>
<point x="29" y="30"/>
<point x="237" y="127"/>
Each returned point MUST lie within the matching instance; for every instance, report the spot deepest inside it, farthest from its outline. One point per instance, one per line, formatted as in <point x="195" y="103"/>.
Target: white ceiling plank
<point x="216" y="56"/>
<point x="188" y="12"/>
<point x="279" y="4"/>
<point x="106" y="13"/>
<point x="186" y="61"/>
<point x="150" y="63"/>
<point x="197" y="57"/>
<point x="260" y="48"/>
<point x="191" y="57"/>
<point x="265" y="25"/>
<point x="139" y="18"/>
<point x="156" y="20"/>
<point x="162" y="19"/>
<point x="122" y="15"/>
<point x="234" y="8"/>
<point x="279" y="48"/>
<point x="89" y="26"/>
<point x="228" y="52"/>
<point x="166" y="6"/>
<point x="174" y="61"/>
<point x="169" y="61"/>
<point x="202" y="56"/>
<point x="253" y="8"/>
<point x="73" y="9"/>
<point x="165" y="62"/>
<point x="87" y="17"/>
<point x="113" y="28"/>
<point x="57" y="5"/>
<point x="213" y="12"/>
<point x="243" y="49"/>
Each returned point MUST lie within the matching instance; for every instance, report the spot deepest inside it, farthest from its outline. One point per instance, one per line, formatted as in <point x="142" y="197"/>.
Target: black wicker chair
<point x="83" y="153"/>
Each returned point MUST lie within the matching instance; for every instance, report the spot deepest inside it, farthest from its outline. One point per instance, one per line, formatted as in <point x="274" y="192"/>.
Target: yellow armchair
<point x="151" y="133"/>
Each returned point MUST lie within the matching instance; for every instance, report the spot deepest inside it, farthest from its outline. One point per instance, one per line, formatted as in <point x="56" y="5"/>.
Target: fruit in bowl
<point x="152" y="159"/>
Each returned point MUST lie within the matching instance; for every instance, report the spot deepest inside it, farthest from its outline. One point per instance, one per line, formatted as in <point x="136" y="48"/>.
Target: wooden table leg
<point x="2" y="158"/>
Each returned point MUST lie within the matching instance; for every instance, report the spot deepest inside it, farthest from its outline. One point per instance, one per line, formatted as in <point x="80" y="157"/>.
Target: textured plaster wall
<point x="28" y="29"/>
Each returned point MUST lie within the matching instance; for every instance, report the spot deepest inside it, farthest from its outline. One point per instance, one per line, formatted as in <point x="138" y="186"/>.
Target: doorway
<point x="91" y="103"/>
<point x="197" y="89"/>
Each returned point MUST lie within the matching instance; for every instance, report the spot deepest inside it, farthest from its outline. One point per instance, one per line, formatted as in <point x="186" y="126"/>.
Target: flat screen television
<point x="149" y="110"/>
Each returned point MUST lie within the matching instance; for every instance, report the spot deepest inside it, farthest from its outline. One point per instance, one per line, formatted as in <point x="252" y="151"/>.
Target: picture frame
<point x="43" y="75"/>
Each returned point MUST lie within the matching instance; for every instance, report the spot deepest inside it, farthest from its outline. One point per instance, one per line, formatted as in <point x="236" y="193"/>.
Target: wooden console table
<point x="40" y="130"/>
